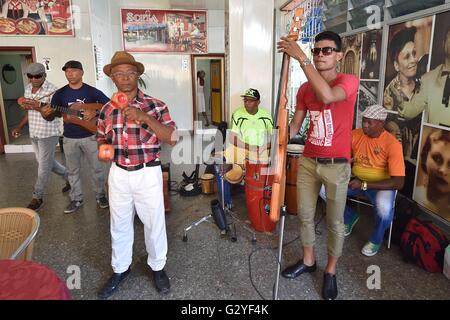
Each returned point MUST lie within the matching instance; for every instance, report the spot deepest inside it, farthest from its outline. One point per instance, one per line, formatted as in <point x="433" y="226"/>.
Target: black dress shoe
<point x="162" y="283"/>
<point x="113" y="284"/>
<point x="329" y="289"/>
<point x="297" y="269"/>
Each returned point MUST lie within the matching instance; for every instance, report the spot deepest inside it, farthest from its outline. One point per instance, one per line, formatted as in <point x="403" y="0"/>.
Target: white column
<point x="250" y="50"/>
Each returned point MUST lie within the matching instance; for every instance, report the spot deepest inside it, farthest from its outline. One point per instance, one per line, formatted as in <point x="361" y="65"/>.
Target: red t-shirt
<point x="330" y="126"/>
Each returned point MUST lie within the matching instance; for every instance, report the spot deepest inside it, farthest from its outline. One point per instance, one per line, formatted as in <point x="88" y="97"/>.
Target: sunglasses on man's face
<point x="35" y="76"/>
<point x="326" y="51"/>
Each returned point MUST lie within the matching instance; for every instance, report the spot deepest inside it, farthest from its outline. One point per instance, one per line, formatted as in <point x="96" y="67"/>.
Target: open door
<point x="216" y="91"/>
<point x="212" y="91"/>
<point x="13" y="60"/>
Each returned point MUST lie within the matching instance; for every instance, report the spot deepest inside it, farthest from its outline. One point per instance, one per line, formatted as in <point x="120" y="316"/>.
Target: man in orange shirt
<point x="378" y="170"/>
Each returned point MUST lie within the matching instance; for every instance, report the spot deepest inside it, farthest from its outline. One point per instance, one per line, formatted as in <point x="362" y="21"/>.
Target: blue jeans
<point x="226" y="187"/>
<point x="383" y="206"/>
<point x="44" y="150"/>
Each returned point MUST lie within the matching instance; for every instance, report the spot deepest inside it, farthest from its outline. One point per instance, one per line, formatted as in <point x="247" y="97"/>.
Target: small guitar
<point x="73" y="114"/>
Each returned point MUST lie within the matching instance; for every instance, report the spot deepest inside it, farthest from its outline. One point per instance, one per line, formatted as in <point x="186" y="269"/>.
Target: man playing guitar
<point x="44" y="134"/>
<point x="77" y="139"/>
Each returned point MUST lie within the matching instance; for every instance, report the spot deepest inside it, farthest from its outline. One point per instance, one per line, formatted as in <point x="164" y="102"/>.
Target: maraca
<point x="119" y="100"/>
<point x="106" y="152"/>
<point x="21" y="101"/>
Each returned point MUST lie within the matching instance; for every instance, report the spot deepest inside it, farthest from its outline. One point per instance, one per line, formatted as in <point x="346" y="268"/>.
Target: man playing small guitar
<point x="78" y="140"/>
<point x="44" y="134"/>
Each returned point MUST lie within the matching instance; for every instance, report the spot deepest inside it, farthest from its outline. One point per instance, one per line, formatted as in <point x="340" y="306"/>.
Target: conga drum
<point x="257" y="197"/>
<point x="294" y="152"/>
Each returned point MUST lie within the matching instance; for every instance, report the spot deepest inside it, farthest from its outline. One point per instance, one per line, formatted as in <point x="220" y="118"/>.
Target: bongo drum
<point x="294" y="152"/>
<point x="236" y="174"/>
<point x="207" y="180"/>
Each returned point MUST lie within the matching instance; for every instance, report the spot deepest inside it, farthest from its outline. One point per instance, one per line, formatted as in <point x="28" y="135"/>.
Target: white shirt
<point x="39" y="127"/>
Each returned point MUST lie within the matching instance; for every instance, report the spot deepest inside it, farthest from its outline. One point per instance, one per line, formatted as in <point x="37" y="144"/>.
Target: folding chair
<point x="363" y="200"/>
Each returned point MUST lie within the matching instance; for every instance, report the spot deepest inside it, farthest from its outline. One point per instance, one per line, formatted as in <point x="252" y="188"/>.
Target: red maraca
<point x="21" y="101"/>
<point x="119" y="100"/>
<point x="106" y="152"/>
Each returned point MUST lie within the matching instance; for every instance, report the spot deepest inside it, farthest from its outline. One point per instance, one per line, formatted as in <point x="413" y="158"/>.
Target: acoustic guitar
<point x="73" y="114"/>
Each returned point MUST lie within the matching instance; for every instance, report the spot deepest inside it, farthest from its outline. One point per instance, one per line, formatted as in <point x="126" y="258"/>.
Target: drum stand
<point x="227" y="211"/>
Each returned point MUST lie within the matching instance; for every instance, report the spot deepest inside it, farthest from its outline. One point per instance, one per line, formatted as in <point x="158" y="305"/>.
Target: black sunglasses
<point x="36" y="76"/>
<point x="325" y="50"/>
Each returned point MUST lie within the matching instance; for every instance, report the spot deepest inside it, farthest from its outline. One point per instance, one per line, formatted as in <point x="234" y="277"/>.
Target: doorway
<point x="213" y="91"/>
<point x="13" y="62"/>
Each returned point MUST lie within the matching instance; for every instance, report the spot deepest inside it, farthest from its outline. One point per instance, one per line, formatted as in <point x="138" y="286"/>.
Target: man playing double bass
<point x="329" y="97"/>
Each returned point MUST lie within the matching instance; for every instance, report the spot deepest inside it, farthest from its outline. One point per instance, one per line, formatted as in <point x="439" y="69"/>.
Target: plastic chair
<point x="18" y="228"/>
<point x="363" y="200"/>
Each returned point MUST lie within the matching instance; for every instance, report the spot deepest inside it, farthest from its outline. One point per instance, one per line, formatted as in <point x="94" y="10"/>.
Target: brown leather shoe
<point x="66" y="187"/>
<point x="35" y="204"/>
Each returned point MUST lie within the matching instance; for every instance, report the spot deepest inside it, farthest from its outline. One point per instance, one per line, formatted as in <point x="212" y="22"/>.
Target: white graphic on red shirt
<point x="322" y="130"/>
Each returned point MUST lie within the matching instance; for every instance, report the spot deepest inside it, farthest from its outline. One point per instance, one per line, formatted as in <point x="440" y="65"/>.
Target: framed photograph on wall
<point x="407" y="60"/>
<point x="368" y="92"/>
<point x="351" y="49"/>
<point x="433" y="176"/>
<point x="175" y="31"/>
<point x="434" y="94"/>
<point x="371" y="54"/>
<point x="36" y="18"/>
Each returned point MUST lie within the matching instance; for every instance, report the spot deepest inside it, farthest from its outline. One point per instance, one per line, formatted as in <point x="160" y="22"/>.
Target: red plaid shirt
<point x="131" y="141"/>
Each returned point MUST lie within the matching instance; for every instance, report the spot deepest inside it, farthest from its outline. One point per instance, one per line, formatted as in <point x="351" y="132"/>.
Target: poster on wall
<point x="179" y="31"/>
<point x="351" y="49"/>
<point x="408" y="53"/>
<point x="33" y="17"/>
<point x="434" y="93"/>
<point x="368" y="92"/>
<point x="433" y="177"/>
<point x="371" y="54"/>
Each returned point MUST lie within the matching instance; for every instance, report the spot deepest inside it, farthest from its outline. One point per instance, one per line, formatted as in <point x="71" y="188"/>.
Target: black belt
<point x="153" y="163"/>
<point x="330" y="160"/>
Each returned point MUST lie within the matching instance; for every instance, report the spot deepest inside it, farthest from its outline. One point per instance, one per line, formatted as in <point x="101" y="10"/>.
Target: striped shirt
<point x="39" y="127"/>
<point x="133" y="144"/>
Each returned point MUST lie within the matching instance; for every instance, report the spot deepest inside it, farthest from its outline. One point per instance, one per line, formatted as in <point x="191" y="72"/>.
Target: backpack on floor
<point x="424" y="244"/>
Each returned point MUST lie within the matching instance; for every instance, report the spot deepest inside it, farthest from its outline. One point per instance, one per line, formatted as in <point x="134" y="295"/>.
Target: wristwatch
<point x="305" y="62"/>
<point x="363" y="185"/>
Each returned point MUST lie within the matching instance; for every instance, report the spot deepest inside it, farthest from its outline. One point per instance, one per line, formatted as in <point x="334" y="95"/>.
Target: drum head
<point x="207" y="176"/>
<point x="295" y="148"/>
<point x="235" y="175"/>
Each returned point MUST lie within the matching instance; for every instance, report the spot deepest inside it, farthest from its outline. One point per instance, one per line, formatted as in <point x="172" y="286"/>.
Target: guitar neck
<point x="68" y="110"/>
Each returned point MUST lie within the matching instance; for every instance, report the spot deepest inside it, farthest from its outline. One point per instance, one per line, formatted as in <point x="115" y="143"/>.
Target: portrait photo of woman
<point x="433" y="178"/>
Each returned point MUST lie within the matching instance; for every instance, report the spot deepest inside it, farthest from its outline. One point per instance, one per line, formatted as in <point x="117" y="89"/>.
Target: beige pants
<point x="335" y="178"/>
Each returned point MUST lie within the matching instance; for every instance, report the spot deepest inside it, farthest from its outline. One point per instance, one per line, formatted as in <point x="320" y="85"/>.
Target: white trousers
<point x="141" y="189"/>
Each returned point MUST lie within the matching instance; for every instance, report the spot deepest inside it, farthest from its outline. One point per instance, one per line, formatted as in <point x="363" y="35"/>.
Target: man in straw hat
<point x="378" y="171"/>
<point x="135" y="177"/>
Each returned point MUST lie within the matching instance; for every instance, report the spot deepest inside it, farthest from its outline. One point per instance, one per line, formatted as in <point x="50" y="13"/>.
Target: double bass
<point x="279" y="149"/>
